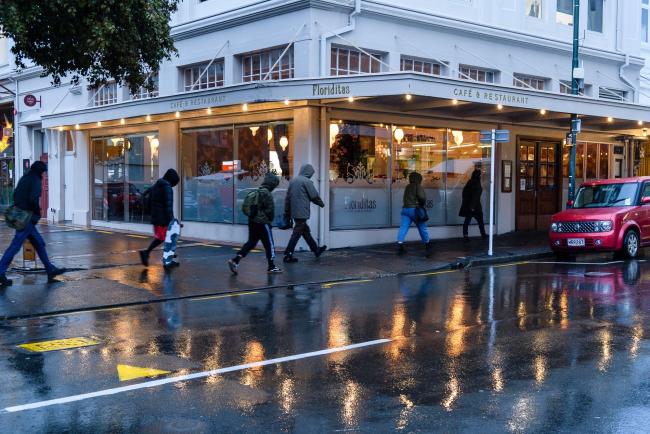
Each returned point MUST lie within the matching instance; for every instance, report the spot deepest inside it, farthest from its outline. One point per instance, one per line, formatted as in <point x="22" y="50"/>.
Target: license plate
<point x="575" y="242"/>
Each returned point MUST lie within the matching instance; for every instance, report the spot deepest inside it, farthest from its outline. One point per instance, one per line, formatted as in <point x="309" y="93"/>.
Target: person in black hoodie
<point x="471" y="205"/>
<point x="161" y="197"/>
<point x="27" y="196"/>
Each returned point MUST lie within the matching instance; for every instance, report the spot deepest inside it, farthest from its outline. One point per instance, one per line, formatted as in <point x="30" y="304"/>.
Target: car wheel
<point x="631" y="244"/>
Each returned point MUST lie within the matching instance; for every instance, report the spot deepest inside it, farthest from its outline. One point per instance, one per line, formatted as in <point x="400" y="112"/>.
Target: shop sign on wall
<point x="330" y="90"/>
<point x="199" y="102"/>
<point x="488" y="96"/>
<point x="359" y="207"/>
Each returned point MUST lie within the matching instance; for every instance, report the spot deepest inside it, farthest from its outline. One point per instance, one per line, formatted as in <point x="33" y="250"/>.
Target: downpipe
<point x="621" y="69"/>
<point x="352" y="24"/>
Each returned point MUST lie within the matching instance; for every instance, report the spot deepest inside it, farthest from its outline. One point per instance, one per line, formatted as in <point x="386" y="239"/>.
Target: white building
<point x="366" y="91"/>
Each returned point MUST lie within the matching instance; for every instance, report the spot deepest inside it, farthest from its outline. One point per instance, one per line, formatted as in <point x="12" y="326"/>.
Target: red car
<point x="611" y="215"/>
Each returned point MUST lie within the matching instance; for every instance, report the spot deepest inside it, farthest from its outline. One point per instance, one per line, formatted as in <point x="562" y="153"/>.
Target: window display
<point x="221" y="165"/>
<point x="124" y="167"/>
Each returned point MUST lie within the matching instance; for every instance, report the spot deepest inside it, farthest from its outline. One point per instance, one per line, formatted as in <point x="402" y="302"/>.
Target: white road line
<point x="170" y="380"/>
<point x="578" y="263"/>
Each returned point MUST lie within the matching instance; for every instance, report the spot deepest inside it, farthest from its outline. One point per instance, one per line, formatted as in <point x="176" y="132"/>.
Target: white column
<point x="79" y="164"/>
<point x="168" y="152"/>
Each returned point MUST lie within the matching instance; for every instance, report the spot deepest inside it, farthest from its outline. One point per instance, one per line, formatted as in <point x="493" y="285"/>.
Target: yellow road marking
<point x="103" y="232"/>
<point x="346" y="282"/>
<point x="214" y="297"/>
<point x="127" y="372"/>
<point x="208" y="245"/>
<point x="59" y="344"/>
<point x="137" y="236"/>
<point x="432" y="273"/>
<point x="512" y="264"/>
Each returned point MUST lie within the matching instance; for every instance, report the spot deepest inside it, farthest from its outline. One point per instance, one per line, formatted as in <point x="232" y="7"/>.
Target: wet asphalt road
<point x="515" y="348"/>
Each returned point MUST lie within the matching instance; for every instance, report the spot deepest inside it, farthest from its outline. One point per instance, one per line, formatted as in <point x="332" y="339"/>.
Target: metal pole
<point x="492" y="158"/>
<point x="574" y="90"/>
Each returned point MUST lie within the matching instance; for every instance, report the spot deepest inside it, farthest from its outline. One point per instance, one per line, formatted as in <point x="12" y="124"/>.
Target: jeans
<point x="478" y="216"/>
<point x="301" y="229"/>
<point x="29" y="233"/>
<point x="408" y="217"/>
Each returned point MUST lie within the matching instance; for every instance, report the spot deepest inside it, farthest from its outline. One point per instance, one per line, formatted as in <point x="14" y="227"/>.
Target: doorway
<point x="538" y="184"/>
<point x="41" y="150"/>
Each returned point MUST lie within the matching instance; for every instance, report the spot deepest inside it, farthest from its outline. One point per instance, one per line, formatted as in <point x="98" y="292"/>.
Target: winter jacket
<point x="471" y="204"/>
<point x="265" y="206"/>
<point x="27" y="195"/>
<point x="162" y="199"/>
<point x="414" y="195"/>
<point x="301" y="194"/>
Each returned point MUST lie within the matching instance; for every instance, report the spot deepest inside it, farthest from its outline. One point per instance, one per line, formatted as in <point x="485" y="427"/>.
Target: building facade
<point x="365" y="91"/>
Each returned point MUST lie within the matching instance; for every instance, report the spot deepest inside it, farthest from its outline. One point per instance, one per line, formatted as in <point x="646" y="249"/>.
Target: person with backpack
<point x="159" y="199"/>
<point x="414" y="198"/>
<point x="27" y="198"/>
<point x="260" y="209"/>
<point x="300" y="195"/>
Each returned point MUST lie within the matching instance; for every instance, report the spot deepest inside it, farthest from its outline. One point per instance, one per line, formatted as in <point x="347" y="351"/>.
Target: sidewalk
<point x="110" y="273"/>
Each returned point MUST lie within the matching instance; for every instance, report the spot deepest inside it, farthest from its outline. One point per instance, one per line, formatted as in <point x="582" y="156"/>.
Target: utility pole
<point x="575" y="87"/>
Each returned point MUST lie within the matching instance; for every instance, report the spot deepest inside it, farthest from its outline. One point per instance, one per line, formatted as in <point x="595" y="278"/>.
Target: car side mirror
<point x="645" y="200"/>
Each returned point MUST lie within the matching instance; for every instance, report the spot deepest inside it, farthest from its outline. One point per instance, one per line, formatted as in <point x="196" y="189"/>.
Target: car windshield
<point x="606" y="195"/>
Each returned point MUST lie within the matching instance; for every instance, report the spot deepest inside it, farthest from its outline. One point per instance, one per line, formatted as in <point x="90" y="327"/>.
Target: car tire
<point x="631" y="244"/>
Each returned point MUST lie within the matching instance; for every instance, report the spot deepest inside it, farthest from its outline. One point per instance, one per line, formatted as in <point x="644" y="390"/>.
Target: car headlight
<point x="604" y="226"/>
<point x="554" y="227"/>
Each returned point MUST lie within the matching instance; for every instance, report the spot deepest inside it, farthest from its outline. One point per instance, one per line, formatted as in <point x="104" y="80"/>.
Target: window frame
<point x="105" y="94"/>
<point x="529" y="79"/>
<point x="350" y="53"/>
<point x="645" y="9"/>
<point x="431" y="64"/>
<point x="602" y="17"/>
<point x="143" y="93"/>
<point x="267" y="58"/>
<point x="196" y="69"/>
<point x="468" y="71"/>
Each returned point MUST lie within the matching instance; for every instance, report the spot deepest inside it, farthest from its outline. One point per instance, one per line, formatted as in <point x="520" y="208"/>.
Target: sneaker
<point x="234" y="266"/>
<point x="4" y="281"/>
<point x="144" y="257"/>
<point x="428" y="247"/>
<point x="56" y="272"/>
<point x="320" y="251"/>
<point x="171" y="265"/>
<point x="400" y="249"/>
<point x="274" y="270"/>
<point x="290" y="260"/>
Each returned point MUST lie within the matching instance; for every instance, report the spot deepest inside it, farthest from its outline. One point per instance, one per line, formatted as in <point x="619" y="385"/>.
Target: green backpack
<point x="251" y="203"/>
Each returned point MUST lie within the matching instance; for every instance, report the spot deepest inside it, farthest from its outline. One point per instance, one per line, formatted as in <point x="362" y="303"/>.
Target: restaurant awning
<point x="429" y="95"/>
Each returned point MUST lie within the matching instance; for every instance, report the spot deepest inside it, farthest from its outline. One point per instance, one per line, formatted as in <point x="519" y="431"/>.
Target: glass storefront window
<point x="604" y="161"/>
<point x="124" y="167"/>
<point x="359" y="175"/>
<point x="464" y="154"/>
<point x="367" y="180"/>
<point x="592" y="161"/>
<point x="221" y="165"/>
<point x="420" y="150"/>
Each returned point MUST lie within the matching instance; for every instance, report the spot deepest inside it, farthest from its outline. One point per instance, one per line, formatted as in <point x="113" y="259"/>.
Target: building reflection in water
<point x="405" y="413"/>
<point x="637" y="335"/>
<point x="456" y="330"/>
<point x="605" y="337"/>
<point x="452" y="390"/>
<point x="254" y="353"/>
<point x="337" y="329"/>
<point x="351" y="403"/>
<point x="287" y="396"/>
<point x="539" y="367"/>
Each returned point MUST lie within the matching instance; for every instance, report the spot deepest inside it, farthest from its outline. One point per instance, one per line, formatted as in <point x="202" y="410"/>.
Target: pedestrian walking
<point x="413" y="211"/>
<point x="300" y="195"/>
<point x="260" y="209"/>
<point x="160" y="198"/>
<point x="471" y="205"/>
<point x="27" y="198"/>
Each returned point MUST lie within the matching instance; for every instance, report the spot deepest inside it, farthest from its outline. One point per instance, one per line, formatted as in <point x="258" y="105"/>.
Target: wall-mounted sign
<point x="479" y="95"/>
<point x="200" y="102"/>
<point x="506" y="176"/>
<point x="30" y="100"/>
<point x="330" y="90"/>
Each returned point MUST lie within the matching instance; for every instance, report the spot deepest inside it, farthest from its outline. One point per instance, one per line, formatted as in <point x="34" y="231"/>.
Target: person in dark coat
<point x="300" y="195"/>
<point x="471" y="205"/>
<point x="259" y="226"/>
<point x="27" y="197"/>
<point x="414" y="197"/>
<point x="161" y="197"/>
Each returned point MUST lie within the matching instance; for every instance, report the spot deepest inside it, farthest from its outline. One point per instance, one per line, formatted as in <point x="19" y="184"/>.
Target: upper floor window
<point x="203" y="76"/>
<point x="476" y="74"/>
<point x="613" y="94"/>
<point x="104" y="94"/>
<point x="143" y="92"/>
<point x="530" y="82"/>
<point x="564" y="12"/>
<point x="645" y="11"/>
<point x="534" y="8"/>
<point x="350" y="62"/>
<point x="565" y="88"/>
<point x="595" y="16"/>
<point x="417" y="65"/>
<point x="256" y="66"/>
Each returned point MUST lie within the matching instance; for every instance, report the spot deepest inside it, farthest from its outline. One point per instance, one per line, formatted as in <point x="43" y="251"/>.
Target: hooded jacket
<point x="162" y="198"/>
<point x="414" y="195"/>
<point x="266" y="206"/>
<point x="27" y="194"/>
<point x="301" y="194"/>
<point x="471" y="204"/>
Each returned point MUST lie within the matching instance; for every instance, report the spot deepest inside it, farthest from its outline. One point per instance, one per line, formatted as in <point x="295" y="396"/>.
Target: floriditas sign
<point x="330" y="90"/>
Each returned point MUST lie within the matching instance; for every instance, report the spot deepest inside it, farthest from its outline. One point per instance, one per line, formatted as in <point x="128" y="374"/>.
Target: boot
<point x="320" y="251"/>
<point x="144" y="257"/>
<point x="4" y="281"/>
<point x="51" y="275"/>
<point x="289" y="259"/>
<point x="428" y="248"/>
<point x="400" y="249"/>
